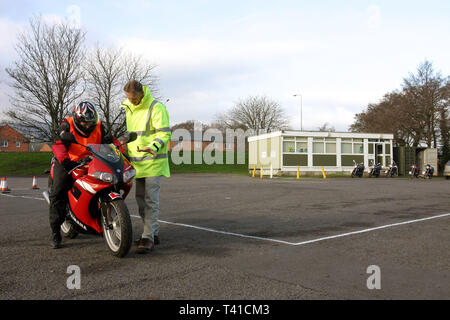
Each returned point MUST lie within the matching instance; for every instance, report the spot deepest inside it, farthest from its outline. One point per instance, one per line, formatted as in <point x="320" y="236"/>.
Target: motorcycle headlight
<point x="105" y="177"/>
<point x="128" y="175"/>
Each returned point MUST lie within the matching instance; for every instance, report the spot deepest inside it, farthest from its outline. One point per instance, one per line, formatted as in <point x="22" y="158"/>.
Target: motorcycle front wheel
<point x="117" y="227"/>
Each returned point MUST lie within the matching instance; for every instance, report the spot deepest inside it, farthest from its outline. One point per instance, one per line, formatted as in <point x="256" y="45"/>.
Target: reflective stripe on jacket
<point x="150" y="120"/>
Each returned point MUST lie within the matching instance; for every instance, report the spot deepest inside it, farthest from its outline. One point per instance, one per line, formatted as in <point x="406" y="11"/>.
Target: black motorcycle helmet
<point x="85" y="117"/>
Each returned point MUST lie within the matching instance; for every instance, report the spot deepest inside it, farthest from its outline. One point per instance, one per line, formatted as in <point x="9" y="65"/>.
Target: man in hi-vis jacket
<point x="148" y="154"/>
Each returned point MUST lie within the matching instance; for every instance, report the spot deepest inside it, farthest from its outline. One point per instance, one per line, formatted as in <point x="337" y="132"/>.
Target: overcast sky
<point x="339" y="55"/>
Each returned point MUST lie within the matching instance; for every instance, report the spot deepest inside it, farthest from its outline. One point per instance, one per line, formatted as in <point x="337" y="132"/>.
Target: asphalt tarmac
<point x="235" y="237"/>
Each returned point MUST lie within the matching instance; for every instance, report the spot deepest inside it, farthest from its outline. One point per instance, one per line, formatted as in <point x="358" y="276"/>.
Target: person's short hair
<point x="133" y="86"/>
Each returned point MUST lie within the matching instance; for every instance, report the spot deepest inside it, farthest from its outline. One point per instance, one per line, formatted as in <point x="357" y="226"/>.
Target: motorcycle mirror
<point x="68" y="137"/>
<point x="132" y="136"/>
<point x="129" y="137"/>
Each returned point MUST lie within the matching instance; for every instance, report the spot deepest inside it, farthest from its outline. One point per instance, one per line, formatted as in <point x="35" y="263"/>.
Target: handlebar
<point x="82" y="162"/>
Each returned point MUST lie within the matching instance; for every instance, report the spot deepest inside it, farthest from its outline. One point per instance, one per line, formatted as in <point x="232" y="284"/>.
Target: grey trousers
<point x="147" y="197"/>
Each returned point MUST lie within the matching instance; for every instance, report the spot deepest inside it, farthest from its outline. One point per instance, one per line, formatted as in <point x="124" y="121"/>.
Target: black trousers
<point x="61" y="184"/>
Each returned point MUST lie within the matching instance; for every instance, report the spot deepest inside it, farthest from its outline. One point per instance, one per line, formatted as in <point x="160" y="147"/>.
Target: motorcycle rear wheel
<point x="117" y="227"/>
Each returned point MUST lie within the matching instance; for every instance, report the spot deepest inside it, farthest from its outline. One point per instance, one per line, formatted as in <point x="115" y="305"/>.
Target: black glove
<point x="69" y="164"/>
<point x="108" y="138"/>
<point x="86" y="159"/>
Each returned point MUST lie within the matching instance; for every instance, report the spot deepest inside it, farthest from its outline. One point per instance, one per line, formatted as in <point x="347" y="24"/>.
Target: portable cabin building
<point x="285" y="152"/>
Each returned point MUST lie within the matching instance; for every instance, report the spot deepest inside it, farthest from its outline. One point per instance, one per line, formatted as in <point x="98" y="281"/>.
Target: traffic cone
<point x="4" y="187"/>
<point x="34" y="186"/>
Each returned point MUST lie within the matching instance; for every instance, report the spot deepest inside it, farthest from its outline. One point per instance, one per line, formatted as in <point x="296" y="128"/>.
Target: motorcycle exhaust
<point x="46" y="196"/>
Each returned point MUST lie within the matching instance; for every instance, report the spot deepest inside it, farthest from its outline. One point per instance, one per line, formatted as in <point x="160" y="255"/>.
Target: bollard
<point x="254" y="171"/>
<point x="298" y="173"/>
<point x="323" y="173"/>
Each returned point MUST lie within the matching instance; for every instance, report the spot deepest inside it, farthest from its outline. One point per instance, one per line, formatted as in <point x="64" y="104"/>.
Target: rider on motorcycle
<point x="87" y="129"/>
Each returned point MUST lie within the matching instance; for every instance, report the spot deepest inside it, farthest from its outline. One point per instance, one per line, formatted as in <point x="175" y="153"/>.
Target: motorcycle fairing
<point x="81" y="205"/>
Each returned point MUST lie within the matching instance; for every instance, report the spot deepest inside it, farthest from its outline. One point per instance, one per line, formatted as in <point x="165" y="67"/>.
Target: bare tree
<point x="416" y="114"/>
<point x="104" y="76"/>
<point x="424" y="94"/>
<point x="47" y="77"/>
<point x="190" y="125"/>
<point x="138" y="68"/>
<point x="391" y="115"/>
<point x="260" y="114"/>
<point x="444" y="124"/>
<point x="107" y="72"/>
<point x="326" y="128"/>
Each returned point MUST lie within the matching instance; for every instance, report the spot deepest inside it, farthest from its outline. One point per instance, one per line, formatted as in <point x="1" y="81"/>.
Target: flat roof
<point x="298" y="133"/>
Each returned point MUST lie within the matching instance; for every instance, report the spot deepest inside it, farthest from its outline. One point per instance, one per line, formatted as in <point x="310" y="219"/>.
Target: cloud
<point x="316" y="112"/>
<point x="204" y="77"/>
<point x="373" y="17"/>
<point x="72" y="17"/>
<point x="198" y="52"/>
<point x="10" y="31"/>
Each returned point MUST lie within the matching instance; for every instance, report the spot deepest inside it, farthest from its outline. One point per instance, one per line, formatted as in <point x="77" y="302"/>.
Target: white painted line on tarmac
<point x="303" y="242"/>
<point x="371" y="229"/>
<point x="24" y="197"/>
<point x="275" y="240"/>
<point x="221" y="232"/>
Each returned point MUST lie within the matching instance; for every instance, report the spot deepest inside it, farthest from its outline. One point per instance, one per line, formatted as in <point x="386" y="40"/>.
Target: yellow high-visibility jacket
<point x="150" y="120"/>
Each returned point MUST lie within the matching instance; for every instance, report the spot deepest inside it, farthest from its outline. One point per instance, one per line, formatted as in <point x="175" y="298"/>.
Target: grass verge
<point x="35" y="163"/>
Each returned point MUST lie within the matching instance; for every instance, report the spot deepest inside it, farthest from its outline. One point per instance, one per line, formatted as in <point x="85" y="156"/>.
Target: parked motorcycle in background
<point x="358" y="171"/>
<point x="392" y="170"/>
<point x="375" y="171"/>
<point x="414" y="173"/>
<point x="428" y="173"/>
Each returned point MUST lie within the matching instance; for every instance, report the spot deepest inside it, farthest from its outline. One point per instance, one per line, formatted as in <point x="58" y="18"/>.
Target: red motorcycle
<point x="96" y="201"/>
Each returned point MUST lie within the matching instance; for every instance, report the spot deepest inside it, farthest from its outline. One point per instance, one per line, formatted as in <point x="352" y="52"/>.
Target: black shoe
<point x="145" y="246"/>
<point x="156" y="240"/>
<point x="56" y="241"/>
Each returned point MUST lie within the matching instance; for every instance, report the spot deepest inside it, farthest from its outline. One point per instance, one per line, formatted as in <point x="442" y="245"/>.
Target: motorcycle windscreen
<point x="107" y="152"/>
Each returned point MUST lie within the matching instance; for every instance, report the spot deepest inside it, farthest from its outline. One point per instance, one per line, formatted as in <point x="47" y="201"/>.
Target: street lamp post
<point x="301" y="110"/>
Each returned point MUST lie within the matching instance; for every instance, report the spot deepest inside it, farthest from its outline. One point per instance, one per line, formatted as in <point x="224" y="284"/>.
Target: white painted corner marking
<point x="275" y="240"/>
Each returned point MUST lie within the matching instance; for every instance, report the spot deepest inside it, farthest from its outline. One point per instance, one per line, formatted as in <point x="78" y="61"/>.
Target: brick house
<point x="199" y="143"/>
<point x="12" y="140"/>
